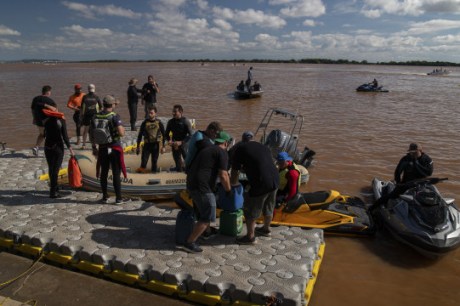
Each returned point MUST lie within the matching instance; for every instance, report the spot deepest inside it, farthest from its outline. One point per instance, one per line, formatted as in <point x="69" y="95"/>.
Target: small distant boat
<point x="243" y="94"/>
<point x="439" y="72"/>
<point x="370" y="88"/>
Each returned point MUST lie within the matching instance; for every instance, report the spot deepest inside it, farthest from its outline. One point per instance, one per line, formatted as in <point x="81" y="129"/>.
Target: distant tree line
<point x="292" y="61"/>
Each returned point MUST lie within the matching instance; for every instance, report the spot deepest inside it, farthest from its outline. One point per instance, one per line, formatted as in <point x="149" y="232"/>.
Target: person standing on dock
<point x="181" y="130"/>
<point x="133" y="99"/>
<point x="90" y="106"/>
<point x="210" y="163"/>
<point x="257" y="162"/>
<point x="149" y="94"/>
<point x="74" y="104"/>
<point x="55" y="137"/>
<point x="106" y="131"/>
<point x="38" y="104"/>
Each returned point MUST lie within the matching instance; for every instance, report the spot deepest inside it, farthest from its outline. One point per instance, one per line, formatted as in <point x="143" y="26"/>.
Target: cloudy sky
<point x="372" y="30"/>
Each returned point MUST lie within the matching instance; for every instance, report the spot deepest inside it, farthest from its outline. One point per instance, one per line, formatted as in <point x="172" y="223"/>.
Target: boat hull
<point x="164" y="184"/>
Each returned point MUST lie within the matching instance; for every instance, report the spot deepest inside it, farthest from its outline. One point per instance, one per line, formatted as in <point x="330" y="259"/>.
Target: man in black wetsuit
<point x="414" y="165"/>
<point x="181" y="130"/>
<point x="38" y="104"/>
<point x="149" y="94"/>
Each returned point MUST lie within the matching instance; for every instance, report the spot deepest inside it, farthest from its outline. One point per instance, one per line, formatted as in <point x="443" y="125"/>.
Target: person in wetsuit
<point x="55" y="132"/>
<point x="181" y="130"/>
<point x="133" y="99"/>
<point x="414" y="165"/>
<point x="90" y="106"/>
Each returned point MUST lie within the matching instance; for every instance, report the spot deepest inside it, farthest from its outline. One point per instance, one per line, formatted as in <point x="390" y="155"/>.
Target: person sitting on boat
<point x="374" y="83"/>
<point x="289" y="178"/>
<point x="256" y="86"/>
<point x="153" y="132"/>
<point x="414" y="165"/>
<point x="240" y="86"/>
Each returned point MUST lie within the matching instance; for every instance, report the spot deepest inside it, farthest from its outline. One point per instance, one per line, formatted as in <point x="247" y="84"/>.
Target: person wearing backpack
<point x="153" y="132"/>
<point x="106" y="131"/>
<point x="90" y="105"/>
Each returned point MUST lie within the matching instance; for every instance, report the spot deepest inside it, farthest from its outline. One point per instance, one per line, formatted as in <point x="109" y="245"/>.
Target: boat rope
<point x="23" y="273"/>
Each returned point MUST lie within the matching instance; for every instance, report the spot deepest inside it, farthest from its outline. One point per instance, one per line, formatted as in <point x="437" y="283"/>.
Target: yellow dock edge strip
<point x="316" y="266"/>
<point x="153" y="285"/>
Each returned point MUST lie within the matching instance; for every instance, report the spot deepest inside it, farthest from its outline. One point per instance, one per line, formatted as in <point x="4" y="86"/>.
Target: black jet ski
<point x="371" y="88"/>
<point x="417" y="215"/>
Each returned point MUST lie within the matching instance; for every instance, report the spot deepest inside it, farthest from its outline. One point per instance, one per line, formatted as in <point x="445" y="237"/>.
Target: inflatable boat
<point x="163" y="184"/>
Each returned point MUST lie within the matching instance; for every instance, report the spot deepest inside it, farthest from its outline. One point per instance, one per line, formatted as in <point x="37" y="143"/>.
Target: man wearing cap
<point x="210" y="163"/>
<point x="90" y="105"/>
<point x="110" y="155"/>
<point x="257" y="162"/>
<point x="133" y="99"/>
<point x="201" y="140"/>
<point x="74" y="104"/>
<point x="289" y="177"/>
<point x="247" y="136"/>
<point x="414" y="165"/>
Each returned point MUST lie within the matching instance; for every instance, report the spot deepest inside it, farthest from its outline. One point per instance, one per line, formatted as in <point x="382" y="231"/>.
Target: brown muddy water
<point x="357" y="136"/>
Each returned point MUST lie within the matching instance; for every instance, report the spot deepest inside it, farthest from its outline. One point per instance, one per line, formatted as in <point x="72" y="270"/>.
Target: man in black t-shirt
<point x="38" y="104"/>
<point x="149" y="94"/>
<point x="257" y="162"/>
<point x="210" y="163"/>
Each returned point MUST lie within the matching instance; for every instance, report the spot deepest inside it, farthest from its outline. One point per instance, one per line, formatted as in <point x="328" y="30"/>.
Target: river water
<point x="357" y="136"/>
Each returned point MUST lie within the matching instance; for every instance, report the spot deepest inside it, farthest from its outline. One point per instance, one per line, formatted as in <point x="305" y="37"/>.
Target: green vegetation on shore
<point x="292" y="61"/>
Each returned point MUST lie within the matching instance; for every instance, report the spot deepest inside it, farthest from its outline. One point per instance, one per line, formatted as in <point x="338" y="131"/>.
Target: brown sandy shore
<point x="130" y="243"/>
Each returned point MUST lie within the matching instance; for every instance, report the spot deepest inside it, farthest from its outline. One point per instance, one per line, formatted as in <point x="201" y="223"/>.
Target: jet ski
<point x="371" y="88"/>
<point x="327" y="210"/>
<point x="417" y="215"/>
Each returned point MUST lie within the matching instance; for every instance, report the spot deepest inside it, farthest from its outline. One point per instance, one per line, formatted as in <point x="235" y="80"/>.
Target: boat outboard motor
<point x="277" y="140"/>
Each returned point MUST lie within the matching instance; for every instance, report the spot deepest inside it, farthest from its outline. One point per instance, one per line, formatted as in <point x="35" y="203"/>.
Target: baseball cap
<point x="283" y="156"/>
<point x="223" y="137"/>
<point x="109" y="100"/>
<point x="77" y="86"/>
<point x="91" y="88"/>
<point x="248" y="135"/>
<point x="414" y="147"/>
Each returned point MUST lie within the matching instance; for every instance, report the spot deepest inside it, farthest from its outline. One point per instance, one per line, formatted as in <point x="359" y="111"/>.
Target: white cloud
<point x="250" y="16"/>
<point x="223" y="24"/>
<point x="91" y="11"/>
<point x="376" y="8"/>
<point x="87" y="32"/>
<point x="6" y="44"/>
<point x="4" y="30"/>
<point x="311" y="23"/>
<point x="434" y="25"/>
<point x="448" y="39"/>
<point x="301" y="8"/>
<point x="202" y="4"/>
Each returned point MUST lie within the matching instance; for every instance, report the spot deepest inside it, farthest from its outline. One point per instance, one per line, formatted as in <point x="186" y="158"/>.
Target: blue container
<point x="232" y="201"/>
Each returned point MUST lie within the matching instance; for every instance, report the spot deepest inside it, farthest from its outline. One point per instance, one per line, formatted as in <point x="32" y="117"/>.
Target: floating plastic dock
<point x="134" y="244"/>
